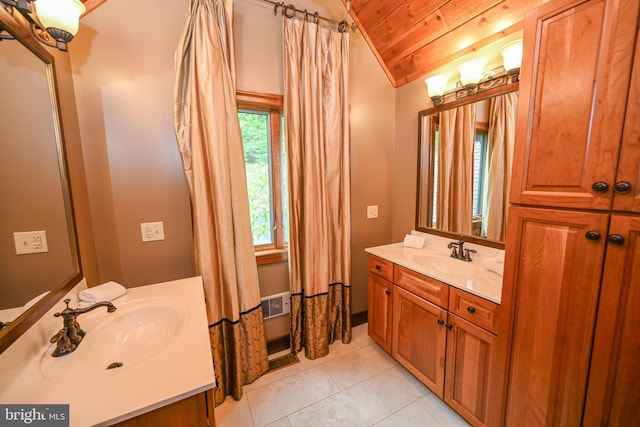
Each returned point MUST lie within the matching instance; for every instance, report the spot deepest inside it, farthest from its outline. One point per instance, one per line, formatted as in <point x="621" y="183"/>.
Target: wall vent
<point x="276" y="305"/>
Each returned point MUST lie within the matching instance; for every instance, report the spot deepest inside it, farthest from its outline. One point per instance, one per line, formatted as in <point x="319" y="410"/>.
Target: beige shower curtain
<point x="502" y="127"/>
<point x="455" y="169"/>
<point x="208" y="134"/>
<point x="316" y="70"/>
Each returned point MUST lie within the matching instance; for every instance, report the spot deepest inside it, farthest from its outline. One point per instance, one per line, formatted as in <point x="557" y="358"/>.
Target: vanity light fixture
<point x="471" y="73"/>
<point x="512" y="59"/>
<point x="436" y="86"/>
<point x="50" y="19"/>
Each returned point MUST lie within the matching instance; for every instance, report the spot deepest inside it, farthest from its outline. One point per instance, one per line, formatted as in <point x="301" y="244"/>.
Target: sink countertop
<point x="182" y="369"/>
<point x="485" y="283"/>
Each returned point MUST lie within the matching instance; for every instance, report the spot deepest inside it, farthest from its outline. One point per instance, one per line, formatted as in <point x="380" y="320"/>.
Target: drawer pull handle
<point x="378" y="267"/>
<point x="600" y="187"/>
<point x="440" y="322"/>
<point x="615" y="239"/>
<point x="471" y="310"/>
<point x="622" y="187"/>
<point x="592" y="235"/>
<point x="387" y="291"/>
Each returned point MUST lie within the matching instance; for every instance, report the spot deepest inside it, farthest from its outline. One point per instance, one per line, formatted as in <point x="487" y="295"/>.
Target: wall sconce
<point x="512" y="59"/>
<point x="436" y="86"/>
<point x="56" y="19"/>
<point x="471" y="73"/>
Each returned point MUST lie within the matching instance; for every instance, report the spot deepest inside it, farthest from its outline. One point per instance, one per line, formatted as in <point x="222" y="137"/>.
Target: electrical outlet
<point x="30" y="242"/>
<point x="152" y="231"/>
<point x="372" y="211"/>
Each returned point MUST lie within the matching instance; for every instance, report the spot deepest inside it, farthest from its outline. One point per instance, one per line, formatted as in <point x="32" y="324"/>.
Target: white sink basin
<point x="444" y="265"/>
<point x="136" y="331"/>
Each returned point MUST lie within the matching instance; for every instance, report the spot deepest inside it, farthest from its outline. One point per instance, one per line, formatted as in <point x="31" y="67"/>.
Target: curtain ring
<point x="275" y="8"/>
<point x="306" y="15"/>
<point x="289" y="11"/>
<point x="316" y="17"/>
<point x="342" y="27"/>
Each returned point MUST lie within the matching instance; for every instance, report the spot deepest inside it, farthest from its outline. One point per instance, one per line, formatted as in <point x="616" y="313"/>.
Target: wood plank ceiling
<point x="412" y="38"/>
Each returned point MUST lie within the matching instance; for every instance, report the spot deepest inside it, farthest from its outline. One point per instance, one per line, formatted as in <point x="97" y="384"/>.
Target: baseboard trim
<point x="279" y="344"/>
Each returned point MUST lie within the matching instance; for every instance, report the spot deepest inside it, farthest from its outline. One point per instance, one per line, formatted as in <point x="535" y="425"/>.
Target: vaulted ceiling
<point x="412" y="38"/>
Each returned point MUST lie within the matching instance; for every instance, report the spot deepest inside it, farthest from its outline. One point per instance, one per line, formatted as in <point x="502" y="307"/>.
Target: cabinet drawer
<point x="476" y="310"/>
<point x="430" y="289"/>
<point x="381" y="267"/>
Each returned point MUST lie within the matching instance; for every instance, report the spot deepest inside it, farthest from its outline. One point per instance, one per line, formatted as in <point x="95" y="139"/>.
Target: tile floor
<point x="357" y="384"/>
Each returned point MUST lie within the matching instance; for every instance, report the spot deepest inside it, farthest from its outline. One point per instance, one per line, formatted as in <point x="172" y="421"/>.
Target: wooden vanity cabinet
<point x="446" y="337"/>
<point x="420" y="338"/>
<point x="194" y="411"/>
<point x="380" y="301"/>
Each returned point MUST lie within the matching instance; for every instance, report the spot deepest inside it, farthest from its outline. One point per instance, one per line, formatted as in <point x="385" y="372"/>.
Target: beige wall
<point x="123" y="72"/>
<point x="411" y="98"/>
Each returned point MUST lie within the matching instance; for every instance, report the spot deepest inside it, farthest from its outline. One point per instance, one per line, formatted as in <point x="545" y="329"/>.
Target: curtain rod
<point x="290" y="10"/>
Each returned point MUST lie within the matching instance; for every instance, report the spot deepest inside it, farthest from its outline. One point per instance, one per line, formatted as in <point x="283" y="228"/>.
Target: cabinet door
<point x="419" y="338"/>
<point x="380" y="306"/>
<point x="555" y="271"/>
<point x="629" y="163"/>
<point x="613" y="396"/>
<point x="573" y="87"/>
<point x="470" y="386"/>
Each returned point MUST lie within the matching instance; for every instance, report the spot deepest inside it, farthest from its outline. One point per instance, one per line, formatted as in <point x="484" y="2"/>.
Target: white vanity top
<point x="182" y="368"/>
<point x="483" y="283"/>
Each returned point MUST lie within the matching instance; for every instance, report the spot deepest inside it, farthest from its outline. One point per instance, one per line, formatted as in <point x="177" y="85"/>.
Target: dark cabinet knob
<point x="592" y="235"/>
<point x="388" y="292"/>
<point x="378" y="267"/>
<point x="471" y="310"/>
<point x="440" y="322"/>
<point x="600" y="187"/>
<point x="449" y="327"/>
<point x="622" y="187"/>
<point x="615" y="239"/>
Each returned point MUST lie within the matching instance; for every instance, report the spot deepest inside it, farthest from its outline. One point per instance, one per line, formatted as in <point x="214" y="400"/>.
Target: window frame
<point x="277" y="251"/>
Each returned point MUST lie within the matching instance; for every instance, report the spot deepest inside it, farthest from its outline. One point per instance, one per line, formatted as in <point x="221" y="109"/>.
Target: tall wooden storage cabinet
<point x="572" y="276"/>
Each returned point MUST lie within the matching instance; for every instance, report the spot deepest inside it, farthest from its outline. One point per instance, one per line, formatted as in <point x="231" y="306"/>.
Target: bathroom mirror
<point x="34" y="190"/>
<point x="464" y="166"/>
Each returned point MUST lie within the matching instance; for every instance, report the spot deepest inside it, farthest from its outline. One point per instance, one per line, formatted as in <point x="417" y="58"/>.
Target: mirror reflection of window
<point x="491" y="150"/>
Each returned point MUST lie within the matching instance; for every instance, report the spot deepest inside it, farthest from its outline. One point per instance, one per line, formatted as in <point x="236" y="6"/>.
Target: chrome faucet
<point x="68" y="338"/>
<point x="459" y="252"/>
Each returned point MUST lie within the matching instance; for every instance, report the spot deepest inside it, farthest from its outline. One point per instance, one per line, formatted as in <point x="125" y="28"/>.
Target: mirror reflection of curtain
<point x="502" y="124"/>
<point x="208" y="134"/>
<point x="455" y="169"/>
<point x="316" y="73"/>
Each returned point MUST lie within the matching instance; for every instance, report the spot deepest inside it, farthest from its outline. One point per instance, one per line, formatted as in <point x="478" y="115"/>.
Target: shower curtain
<point x="208" y="134"/>
<point x="455" y="169"/>
<point x="502" y="129"/>
<point x="316" y="70"/>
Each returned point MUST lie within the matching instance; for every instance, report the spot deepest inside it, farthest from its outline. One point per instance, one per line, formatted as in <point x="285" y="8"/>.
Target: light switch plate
<point x="152" y="231"/>
<point x="372" y="211"/>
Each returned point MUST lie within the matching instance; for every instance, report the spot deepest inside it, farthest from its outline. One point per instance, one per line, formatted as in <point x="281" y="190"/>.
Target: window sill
<point x="271" y="256"/>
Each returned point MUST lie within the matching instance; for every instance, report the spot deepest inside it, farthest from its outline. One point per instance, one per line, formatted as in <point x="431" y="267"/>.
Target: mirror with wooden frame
<point x="464" y="166"/>
<point x="35" y="193"/>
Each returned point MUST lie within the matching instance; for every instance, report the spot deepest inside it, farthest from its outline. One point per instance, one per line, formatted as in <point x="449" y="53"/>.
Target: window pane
<point x="285" y="183"/>
<point x="479" y="154"/>
<point x="436" y="138"/>
<point x="255" y="139"/>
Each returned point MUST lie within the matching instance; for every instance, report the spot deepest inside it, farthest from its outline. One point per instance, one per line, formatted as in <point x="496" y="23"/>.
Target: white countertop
<point x="182" y="369"/>
<point x="485" y="283"/>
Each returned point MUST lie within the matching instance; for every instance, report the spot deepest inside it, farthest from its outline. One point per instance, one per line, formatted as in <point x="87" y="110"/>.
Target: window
<point x="261" y="124"/>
